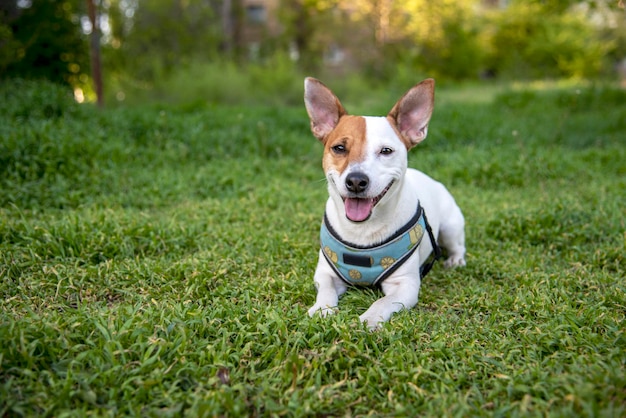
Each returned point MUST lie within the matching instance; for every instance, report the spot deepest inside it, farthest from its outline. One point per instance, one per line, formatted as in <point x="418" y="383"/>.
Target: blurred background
<point x="257" y="51"/>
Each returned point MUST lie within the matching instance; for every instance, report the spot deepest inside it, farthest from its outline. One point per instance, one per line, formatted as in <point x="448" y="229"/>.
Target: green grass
<point x="158" y="261"/>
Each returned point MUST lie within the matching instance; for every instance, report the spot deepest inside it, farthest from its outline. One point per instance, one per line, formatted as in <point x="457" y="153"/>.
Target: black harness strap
<point x="436" y="254"/>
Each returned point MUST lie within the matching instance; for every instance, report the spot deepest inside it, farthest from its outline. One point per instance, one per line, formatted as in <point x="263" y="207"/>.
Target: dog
<point x="384" y="223"/>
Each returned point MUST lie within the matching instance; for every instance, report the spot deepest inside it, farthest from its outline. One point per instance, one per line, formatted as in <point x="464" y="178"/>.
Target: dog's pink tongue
<point x="358" y="210"/>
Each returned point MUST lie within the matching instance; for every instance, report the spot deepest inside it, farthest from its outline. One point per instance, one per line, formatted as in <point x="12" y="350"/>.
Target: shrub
<point x="26" y="99"/>
<point x="273" y="81"/>
<point x="529" y="42"/>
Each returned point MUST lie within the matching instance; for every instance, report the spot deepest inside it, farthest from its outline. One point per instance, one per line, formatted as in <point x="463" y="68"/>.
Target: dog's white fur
<point x="405" y="126"/>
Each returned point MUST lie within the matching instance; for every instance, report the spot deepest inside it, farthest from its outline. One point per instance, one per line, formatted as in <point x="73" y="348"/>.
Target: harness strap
<point x="435" y="255"/>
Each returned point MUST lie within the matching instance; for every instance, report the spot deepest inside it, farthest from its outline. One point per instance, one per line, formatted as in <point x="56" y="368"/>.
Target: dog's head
<point x="365" y="157"/>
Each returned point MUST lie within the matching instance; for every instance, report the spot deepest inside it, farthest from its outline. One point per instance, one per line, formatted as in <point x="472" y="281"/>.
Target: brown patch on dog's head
<point x="345" y="144"/>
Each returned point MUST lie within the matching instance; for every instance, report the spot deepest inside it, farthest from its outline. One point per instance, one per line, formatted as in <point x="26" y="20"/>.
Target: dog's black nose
<point x="357" y="182"/>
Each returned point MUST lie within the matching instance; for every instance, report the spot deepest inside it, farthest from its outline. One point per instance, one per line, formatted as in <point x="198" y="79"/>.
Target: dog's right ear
<point x="323" y="107"/>
<point x="412" y="112"/>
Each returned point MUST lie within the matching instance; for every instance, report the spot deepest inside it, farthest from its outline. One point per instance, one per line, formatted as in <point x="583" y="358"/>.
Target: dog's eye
<point x="386" y="151"/>
<point x="339" y="149"/>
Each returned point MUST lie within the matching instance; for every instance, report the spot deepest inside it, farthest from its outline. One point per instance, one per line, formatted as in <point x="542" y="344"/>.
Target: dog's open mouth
<point x="360" y="209"/>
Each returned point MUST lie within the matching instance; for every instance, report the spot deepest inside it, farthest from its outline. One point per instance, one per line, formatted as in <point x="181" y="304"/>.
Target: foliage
<point x="158" y="261"/>
<point x="146" y="45"/>
<point x="459" y="39"/>
<point x="445" y="37"/>
<point x="44" y="40"/>
<point x="10" y="47"/>
<point x="165" y="34"/>
<point x="529" y="41"/>
<point x="273" y="81"/>
<point x="311" y="26"/>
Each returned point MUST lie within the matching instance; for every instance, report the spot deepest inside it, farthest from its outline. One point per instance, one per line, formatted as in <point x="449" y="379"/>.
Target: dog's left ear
<point x="412" y="112"/>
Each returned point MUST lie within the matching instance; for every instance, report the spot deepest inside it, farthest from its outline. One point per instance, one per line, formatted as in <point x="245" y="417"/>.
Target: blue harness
<point x="369" y="266"/>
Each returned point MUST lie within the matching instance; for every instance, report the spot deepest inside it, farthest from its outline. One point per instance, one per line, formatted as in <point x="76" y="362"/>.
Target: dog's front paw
<point x="373" y="322"/>
<point x="453" y="261"/>
<point x="322" y="310"/>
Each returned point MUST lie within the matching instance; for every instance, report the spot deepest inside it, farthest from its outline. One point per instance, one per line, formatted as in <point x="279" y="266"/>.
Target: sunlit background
<point x="234" y="51"/>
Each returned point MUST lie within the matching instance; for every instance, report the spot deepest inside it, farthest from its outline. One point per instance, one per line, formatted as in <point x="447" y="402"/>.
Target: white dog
<point x="383" y="220"/>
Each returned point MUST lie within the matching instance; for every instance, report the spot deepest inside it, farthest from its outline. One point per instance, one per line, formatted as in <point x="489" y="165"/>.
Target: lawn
<point x="158" y="261"/>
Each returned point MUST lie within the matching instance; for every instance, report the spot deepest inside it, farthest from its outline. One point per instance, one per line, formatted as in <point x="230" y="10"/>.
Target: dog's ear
<point x="412" y="112"/>
<point x="323" y="107"/>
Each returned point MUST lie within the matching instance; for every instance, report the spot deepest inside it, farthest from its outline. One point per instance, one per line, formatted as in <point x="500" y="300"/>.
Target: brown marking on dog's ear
<point x="323" y="107"/>
<point x="350" y="132"/>
<point x="411" y="114"/>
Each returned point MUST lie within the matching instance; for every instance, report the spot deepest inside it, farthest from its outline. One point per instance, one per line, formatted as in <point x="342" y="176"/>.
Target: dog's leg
<point x="401" y="292"/>
<point x="452" y="238"/>
<point x="329" y="288"/>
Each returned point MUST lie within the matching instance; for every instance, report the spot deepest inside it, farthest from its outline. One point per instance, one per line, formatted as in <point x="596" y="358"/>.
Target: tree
<point x="43" y="39"/>
<point x="164" y="33"/>
<point x="537" y="39"/>
<point x="96" y="66"/>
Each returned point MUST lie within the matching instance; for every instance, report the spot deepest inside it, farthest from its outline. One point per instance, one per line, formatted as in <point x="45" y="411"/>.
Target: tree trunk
<point x="96" y="66"/>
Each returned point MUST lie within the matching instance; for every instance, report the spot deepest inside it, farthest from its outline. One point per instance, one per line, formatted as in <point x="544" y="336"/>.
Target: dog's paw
<point x="322" y="310"/>
<point x="453" y="261"/>
<point x="372" y="322"/>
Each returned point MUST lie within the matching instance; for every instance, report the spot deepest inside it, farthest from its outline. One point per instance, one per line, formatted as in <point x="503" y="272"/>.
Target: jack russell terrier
<point x="384" y="222"/>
